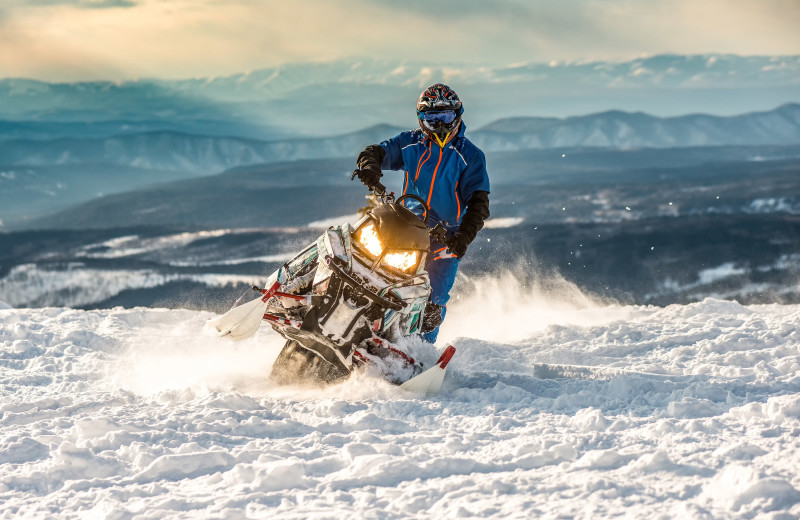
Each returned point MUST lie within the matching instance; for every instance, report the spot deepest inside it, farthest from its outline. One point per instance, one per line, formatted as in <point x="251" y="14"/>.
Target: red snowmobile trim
<point x="388" y="346"/>
<point x="446" y="356"/>
<point x="272" y="292"/>
<point x="269" y="293"/>
<point x="292" y="296"/>
<point x="284" y="322"/>
<point x="360" y="356"/>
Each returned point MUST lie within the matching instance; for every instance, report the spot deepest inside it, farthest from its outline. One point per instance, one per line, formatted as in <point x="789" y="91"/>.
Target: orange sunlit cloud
<point x="123" y="39"/>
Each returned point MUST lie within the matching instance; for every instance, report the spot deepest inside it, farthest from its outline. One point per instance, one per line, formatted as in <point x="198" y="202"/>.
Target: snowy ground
<point x="566" y="407"/>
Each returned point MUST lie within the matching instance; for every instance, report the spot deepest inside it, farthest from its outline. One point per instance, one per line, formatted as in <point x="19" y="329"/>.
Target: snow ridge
<point x="571" y="407"/>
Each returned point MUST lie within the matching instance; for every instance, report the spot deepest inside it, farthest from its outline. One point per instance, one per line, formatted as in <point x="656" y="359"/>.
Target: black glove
<point x="477" y="212"/>
<point x="457" y="244"/>
<point x="369" y="165"/>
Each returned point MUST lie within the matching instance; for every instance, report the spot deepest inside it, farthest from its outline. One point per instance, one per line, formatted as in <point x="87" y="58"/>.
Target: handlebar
<point x="379" y="190"/>
<point x="439" y="233"/>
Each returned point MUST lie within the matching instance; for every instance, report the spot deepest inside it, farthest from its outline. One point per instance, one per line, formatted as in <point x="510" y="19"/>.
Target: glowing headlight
<point x="369" y="239"/>
<point x="403" y="260"/>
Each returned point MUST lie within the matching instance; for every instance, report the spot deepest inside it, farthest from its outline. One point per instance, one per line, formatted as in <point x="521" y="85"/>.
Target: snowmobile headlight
<point x="403" y="260"/>
<point x="370" y="240"/>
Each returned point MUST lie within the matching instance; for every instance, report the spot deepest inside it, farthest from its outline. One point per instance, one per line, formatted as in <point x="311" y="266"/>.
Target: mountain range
<point x="42" y="176"/>
<point x="586" y="185"/>
<point x="345" y="95"/>
<point x="202" y="154"/>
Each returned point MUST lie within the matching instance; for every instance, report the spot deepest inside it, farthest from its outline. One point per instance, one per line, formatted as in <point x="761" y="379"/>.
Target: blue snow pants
<point x="442" y="273"/>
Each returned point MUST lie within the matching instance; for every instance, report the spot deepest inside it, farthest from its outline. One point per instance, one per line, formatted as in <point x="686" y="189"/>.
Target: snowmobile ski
<point x="430" y="381"/>
<point x="243" y="321"/>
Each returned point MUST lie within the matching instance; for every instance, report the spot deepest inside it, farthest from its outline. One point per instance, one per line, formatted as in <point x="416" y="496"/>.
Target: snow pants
<point x="442" y="272"/>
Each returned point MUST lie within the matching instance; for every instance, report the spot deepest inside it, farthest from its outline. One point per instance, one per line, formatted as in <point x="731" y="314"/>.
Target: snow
<point x="77" y="284"/>
<point x="133" y="244"/>
<point x="568" y="407"/>
<point x="334" y="221"/>
<point x="499" y="223"/>
<point x="720" y="272"/>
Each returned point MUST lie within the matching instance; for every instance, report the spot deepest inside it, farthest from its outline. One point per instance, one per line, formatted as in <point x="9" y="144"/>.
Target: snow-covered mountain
<point x="42" y="176"/>
<point x="345" y="95"/>
<point x="626" y="130"/>
<point x="555" y="406"/>
<point x="725" y="231"/>
<point x="595" y="184"/>
<point x="195" y="155"/>
<point x="202" y="154"/>
<point x="676" y="71"/>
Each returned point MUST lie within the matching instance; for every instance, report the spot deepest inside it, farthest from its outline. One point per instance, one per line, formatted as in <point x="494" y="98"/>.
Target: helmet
<point x="439" y="112"/>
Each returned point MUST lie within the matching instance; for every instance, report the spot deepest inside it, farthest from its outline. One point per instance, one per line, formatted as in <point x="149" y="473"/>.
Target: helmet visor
<point x="434" y="117"/>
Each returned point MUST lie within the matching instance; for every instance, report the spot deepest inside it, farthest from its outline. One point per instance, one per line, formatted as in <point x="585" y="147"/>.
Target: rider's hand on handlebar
<point x="457" y="244"/>
<point x="371" y="177"/>
<point x="369" y="165"/>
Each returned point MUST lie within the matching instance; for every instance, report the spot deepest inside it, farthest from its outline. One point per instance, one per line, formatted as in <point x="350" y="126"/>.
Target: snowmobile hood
<point x="399" y="228"/>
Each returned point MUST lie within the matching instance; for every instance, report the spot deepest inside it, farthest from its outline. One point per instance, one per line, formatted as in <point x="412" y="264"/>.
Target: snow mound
<point x="579" y="409"/>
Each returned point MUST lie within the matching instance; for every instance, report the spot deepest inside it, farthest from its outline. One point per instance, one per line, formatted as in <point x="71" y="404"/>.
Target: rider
<point x="447" y="171"/>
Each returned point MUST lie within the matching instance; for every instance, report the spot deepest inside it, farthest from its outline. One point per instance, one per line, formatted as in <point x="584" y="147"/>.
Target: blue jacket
<point x="445" y="178"/>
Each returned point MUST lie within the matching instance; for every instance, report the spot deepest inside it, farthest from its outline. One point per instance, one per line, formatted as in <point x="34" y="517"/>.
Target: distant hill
<point x="29" y="191"/>
<point x="50" y="130"/>
<point x="283" y="194"/>
<point x="194" y="154"/>
<point x="587" y="185"/>
<point x="617" y="129"/>
<point x="202" y="155"/>
<point x="39" y="177"/>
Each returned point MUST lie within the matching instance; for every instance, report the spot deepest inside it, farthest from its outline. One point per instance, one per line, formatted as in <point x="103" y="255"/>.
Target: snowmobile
<point x="347" y="298"/>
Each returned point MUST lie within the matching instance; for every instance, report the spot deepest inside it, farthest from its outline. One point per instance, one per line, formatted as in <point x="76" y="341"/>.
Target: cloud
<point x="103" y="4"/>
<point x="85" y="4"/>
<point x="122" y="39"/>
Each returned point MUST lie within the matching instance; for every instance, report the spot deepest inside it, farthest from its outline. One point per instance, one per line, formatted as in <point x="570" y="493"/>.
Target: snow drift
<point x="567" y="407"/>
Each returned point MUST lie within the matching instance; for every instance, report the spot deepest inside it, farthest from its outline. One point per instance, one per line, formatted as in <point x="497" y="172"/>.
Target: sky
<point x="72" y="40"/>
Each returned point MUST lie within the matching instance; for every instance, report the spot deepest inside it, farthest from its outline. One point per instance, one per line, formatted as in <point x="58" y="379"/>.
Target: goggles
<point x="437" y="116"/>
